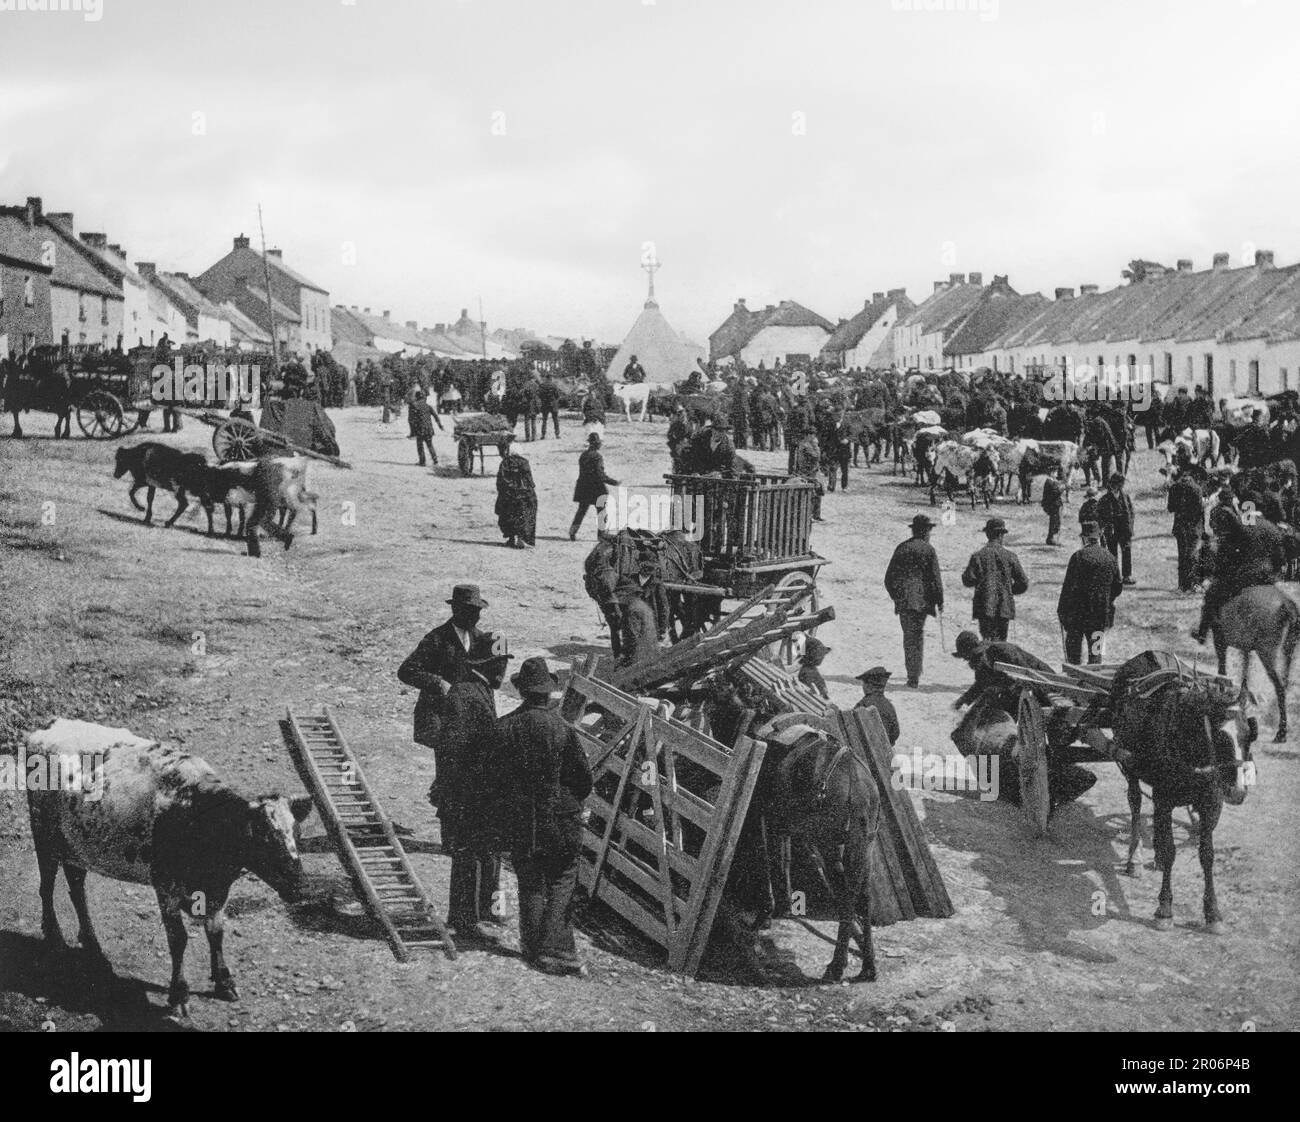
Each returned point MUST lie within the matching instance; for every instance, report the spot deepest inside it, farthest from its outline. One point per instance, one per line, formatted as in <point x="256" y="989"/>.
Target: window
<point x="2" y="290"/>
<point x="1232" y="373"/>
<point x="1169" y="369"/>
<point x="1282" y="376"/>
<point x="103" y="312"/>
<point x="1191" y="369"/>
<point x="1252" y="371"/>
<point x="1209" y="373"/>
<point x="29" y="292"/>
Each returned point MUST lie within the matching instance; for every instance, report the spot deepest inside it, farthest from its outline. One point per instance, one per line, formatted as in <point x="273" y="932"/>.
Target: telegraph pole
<point x="270" y="307"/>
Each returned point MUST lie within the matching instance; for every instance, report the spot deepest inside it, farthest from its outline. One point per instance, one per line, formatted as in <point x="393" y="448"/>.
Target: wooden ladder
<point x="363" y="836"/>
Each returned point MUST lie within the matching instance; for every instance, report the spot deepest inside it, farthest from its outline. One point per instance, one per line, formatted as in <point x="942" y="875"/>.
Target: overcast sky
<point x="417" y="155"/>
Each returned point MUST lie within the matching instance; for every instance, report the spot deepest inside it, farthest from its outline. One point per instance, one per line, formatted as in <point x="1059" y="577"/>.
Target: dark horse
<point x="819" y="793"/>
<point x="1188" y="738"/>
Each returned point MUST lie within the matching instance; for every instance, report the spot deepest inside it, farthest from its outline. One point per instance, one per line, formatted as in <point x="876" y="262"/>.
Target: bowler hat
<point x="923" y="522"/>
<point x="534" y="677"/>
<point x="1115" y="478"/>
<point x="466" y="596"/>
<point x="593" y="438"/>
<point x="875" y="674"/>
<point x="968" y="643"/>
<point x="995" y="526"/>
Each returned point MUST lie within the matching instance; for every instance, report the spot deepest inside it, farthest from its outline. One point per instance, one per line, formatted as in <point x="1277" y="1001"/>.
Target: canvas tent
<point x="666" y="357"/>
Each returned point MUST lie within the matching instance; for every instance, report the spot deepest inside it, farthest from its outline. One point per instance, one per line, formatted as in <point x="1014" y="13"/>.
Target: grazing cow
<point x="279" y="483"/>
<point x="154" y="466"/>
<point x="156" y="815"/>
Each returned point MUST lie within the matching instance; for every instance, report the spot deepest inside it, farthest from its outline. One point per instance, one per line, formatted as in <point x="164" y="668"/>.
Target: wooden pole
<point x="270" y="308"/>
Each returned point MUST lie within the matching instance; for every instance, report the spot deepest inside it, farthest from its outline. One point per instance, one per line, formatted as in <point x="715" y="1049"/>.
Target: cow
<point x="1201" y="446"/>
<point x="154" y="465"/>
<point x="153" y="814"/>
<point x="231" y="485"/>
<point x="953" y="463"/>
<point x="279" y="486"/>
<point x="923" y="446"/>
<point x="1046" y="457"/>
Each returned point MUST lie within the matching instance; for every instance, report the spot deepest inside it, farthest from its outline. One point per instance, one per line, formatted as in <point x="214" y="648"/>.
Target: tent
<point x="666" y="357"/>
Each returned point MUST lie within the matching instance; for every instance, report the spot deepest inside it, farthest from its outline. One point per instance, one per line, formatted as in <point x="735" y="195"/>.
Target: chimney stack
<point x="241" y="242"/>
<point x="1220" y="262"/>
<point x="354" y="307"/>
<point x="275" y="252"/>
<point x="367" y="311"/>
<point x="414" y="325"/>
<point x="977" y="278"/>
<point x="464" y="313"/>
<point x="440" y="328"/>
<point x="896" y="293"/>
<point x="740" y="305"/>
<point x="63" y="218"/>
<point x="957" y="278"/>
<point x="146" y="269"/>
<point x="1263" y="258"/>
<point x="115" y="248"/>
<point x="387" y="314"/>
<point x="1065" y="294"/>
<point x="939" y="286"/>
<point x="1087" y="290"/>
<point x="34" y="210"/>
<point x="876" y="297"/>
<point x="95" y="241"/>
<point x="1184" y="264"/>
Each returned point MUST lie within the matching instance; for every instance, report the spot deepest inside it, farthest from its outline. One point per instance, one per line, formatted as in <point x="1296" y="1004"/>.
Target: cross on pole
<point x="651" y="264"/>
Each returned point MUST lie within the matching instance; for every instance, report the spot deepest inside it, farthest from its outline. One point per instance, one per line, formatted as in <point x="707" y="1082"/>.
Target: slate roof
<point x="18" y="242"/>
<point x="989" y="318"/>
<point x="188" y="298"/>
<point x="849" y="334"/>
<point x="243" y="327"/>
<point x="743" y="325"/>
<point x="945" y="308"/>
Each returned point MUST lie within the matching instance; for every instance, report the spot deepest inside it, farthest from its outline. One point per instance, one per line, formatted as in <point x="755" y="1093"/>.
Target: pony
<point x="818" y="792"/>
<point x="1186" y="737"/>
<point x="1265" y="620"/>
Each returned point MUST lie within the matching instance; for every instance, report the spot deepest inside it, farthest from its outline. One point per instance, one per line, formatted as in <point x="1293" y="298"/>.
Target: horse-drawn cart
<point x="107" y="389"/>
<point x="1069" y="718"/>
<point x="753" y="531"/>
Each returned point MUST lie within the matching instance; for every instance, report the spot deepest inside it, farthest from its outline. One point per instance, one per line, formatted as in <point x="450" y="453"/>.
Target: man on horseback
<point x="1248" y="555"/>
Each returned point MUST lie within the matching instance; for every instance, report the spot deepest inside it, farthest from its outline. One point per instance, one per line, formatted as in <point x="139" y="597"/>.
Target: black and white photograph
<point x="650" y="516"/>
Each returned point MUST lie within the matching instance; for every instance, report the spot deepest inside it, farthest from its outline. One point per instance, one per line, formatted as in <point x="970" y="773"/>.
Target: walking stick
<point x="943" y="640"/>
<point x="1065" y="650"/>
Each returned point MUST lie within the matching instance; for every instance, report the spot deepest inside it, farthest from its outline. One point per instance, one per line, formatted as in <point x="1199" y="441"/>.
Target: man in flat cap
<point x="982" y="655"/>
<point x="814" y="654"/>
<point x="1086" y="606"/>
<point x="873" y="697"/>
<point x="915" y="585"/>
<point x="543" y="779"/>
<point x="440" y="661"/>
<point x="995" y="574"/>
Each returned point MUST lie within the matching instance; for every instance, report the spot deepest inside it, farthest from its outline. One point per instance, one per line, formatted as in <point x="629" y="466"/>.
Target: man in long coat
<point x="1187" y="505"/>
<point x="548" y="396"/>
<point x="915" y="585"/>
<point x="1115" y="517"/>
<point x="995" y="574"/>
<point x="592" y="486"/>
<point x="543" y="779"/>
<point x="1086" y="606"/>
<point x="465" y="792"/>
<point x="516" y="508"/>
<point x="439" y="662"/>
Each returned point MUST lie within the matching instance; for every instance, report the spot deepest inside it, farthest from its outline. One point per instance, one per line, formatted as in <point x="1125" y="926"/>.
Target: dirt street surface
<point x="179" y="636"/>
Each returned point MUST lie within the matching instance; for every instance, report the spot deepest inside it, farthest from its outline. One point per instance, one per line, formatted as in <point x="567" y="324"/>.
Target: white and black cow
<point x="279" y="487"/>
<point x="153" y="814"/>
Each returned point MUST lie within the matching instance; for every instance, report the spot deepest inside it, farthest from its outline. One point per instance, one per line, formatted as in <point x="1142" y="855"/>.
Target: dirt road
<point x="177" y="635"/>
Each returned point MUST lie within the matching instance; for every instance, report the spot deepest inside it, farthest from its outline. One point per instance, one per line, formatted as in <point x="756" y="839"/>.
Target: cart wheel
<point x="788" y="651"/>
<point x="235" y="440"/>
<point x="100" y="417"/>
<point x="1035" y="797"/>
<point x="465" y="457"/>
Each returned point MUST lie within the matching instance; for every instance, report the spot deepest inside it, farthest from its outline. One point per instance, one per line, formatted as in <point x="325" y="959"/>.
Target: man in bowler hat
<point x="543" y="780"/>
<point x="915" y="585"/>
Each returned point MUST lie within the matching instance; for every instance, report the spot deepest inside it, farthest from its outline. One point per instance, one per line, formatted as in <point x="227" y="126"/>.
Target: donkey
<point x="1189" y="739"/>
<point x="1265" y="620"/>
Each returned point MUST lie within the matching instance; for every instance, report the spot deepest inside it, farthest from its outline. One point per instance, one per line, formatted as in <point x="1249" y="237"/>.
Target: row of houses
<point x="61" y="286"/>
<point x="1235" y="331"/>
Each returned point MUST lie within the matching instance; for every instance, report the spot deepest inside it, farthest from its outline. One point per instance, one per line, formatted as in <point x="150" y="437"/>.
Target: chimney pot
<point x="896" y="293"/>
<point x="34" y="205"/>
<point x="1065" y="294"/>
<point x="464" y="313"/>
<point x="117" y="249"/>
<point x="63" y="218"/>
<point x="95" y="241"/>
<point x="386" y="314"/>
<point x="1184" y="264"/>
<point x="275" y="252"/>
<point x="977" y="278"/>
<point x="146" y="269"/>
<point x="1087" y="290"/>
<point x="1263" y="258"/>
<point x="241" y="242"/>
<point x="939" y="286"/>
<point x="876" y="297"/>
<point x="957" y="278"/>
<point x="1220" y="261"/>
<point x="367" y="311"/>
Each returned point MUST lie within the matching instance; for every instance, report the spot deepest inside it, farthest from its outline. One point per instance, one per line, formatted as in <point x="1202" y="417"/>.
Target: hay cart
<point x="107" y="390"/>
<point x="1068" y="718"/>
<point x="754" y="532"/>
<point x="234" y="438"/>
<point x="471" y="440"/>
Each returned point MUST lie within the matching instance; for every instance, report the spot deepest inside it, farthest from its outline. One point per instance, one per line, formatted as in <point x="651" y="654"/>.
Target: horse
<point x="1265" y="620"/>
<point x="683" y="563"/>
<point x="819" y="793"/>
<point x="633" y="394"/>
<point x="1189" y="739"/>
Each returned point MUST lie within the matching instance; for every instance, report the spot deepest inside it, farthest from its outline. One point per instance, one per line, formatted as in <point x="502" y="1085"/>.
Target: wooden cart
<point x="108" y="390"/>
<point x="754" y="531"/>
<point x="467" y="443"/>
<point x="1067" y="718"/>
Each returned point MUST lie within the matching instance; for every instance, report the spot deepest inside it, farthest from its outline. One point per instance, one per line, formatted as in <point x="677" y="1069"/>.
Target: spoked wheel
<point x="788" y="651"/>
<point x="235" y="440"/>
<point x="465" y="457"/>
<point x="1035" y="797"/>
<point x="100" y="416"/>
